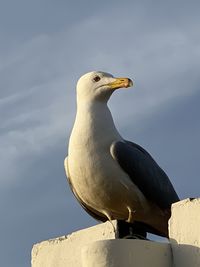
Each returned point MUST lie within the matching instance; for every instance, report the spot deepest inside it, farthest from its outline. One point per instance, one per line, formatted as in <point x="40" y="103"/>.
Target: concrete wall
<point x="66" y="250"/>
<point x="184" y="228"/>
<point x="97" y="246"/>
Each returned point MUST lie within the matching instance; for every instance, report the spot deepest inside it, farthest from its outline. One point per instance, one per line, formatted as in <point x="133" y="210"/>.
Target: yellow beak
<point x="121" y="83"/>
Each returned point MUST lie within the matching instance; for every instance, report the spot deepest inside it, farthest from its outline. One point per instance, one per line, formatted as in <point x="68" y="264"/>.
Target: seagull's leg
<point x="110" y="220"/>
<point x="132" y="230"/>
<point x="135" y="231"/>
<point x="130" y="214"/>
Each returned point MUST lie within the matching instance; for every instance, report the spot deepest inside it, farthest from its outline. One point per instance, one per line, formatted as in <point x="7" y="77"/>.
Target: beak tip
<point x="130" y="83"/>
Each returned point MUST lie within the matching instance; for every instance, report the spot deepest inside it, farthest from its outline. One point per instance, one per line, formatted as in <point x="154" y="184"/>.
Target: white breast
<point x="96" y="176"/>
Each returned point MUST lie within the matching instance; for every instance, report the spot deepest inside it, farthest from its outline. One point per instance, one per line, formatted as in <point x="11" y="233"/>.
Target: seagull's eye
<point x="96" y="79"/>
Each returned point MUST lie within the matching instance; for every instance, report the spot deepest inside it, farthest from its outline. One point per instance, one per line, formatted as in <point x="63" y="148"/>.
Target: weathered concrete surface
<point x="184" y="229"/>
<point x="66" y="251"/>
<point x="126" y="252"/>
<point x="98" y="247"/>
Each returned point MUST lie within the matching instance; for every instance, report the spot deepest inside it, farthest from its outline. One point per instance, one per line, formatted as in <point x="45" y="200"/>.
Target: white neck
<point x="93" y="123"/>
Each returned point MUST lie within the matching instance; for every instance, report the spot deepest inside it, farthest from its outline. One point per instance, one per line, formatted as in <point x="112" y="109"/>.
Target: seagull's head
<point x="99" y="86"/>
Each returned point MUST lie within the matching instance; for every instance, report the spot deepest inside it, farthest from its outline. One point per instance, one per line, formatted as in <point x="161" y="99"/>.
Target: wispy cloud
<point x="38" y="79"/>
<point x="156" y="44"/>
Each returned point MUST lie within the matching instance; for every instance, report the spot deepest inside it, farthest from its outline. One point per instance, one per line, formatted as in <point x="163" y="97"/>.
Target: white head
<point x="99" y="86"/>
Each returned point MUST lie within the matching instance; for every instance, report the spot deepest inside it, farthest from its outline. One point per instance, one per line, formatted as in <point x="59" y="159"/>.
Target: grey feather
<point x="145" y="173"/>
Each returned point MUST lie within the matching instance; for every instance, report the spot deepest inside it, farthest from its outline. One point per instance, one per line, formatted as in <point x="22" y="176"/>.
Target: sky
<point x="45" y="46"/>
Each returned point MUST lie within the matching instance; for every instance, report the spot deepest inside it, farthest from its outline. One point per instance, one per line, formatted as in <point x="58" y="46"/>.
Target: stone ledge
<point x="184" y="231"/>
<point x="66" y="250"/>
<point x="126" y="252"/>
<point x="97" y="246"/>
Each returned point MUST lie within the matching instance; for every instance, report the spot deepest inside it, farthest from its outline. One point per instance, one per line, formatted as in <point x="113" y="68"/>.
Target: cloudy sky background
<point x="45" y="46"/>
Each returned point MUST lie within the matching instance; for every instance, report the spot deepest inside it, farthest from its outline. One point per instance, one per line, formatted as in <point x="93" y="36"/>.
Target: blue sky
<point x="45" y="46"/>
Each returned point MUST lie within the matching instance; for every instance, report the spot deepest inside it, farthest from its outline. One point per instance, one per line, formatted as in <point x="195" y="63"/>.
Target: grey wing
<point x="145" y="173"/>
<point x="95" y="214"/>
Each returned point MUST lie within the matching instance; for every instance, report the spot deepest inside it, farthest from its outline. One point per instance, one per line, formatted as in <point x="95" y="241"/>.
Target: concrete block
<point x="184" y="231"/>
<point x="126" y="252"/>
<point x="66" y="250"/>
<point x="97" y="246"/>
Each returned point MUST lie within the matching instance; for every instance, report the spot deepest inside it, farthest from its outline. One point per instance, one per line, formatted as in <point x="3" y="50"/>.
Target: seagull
<point x="112" y="178"/>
